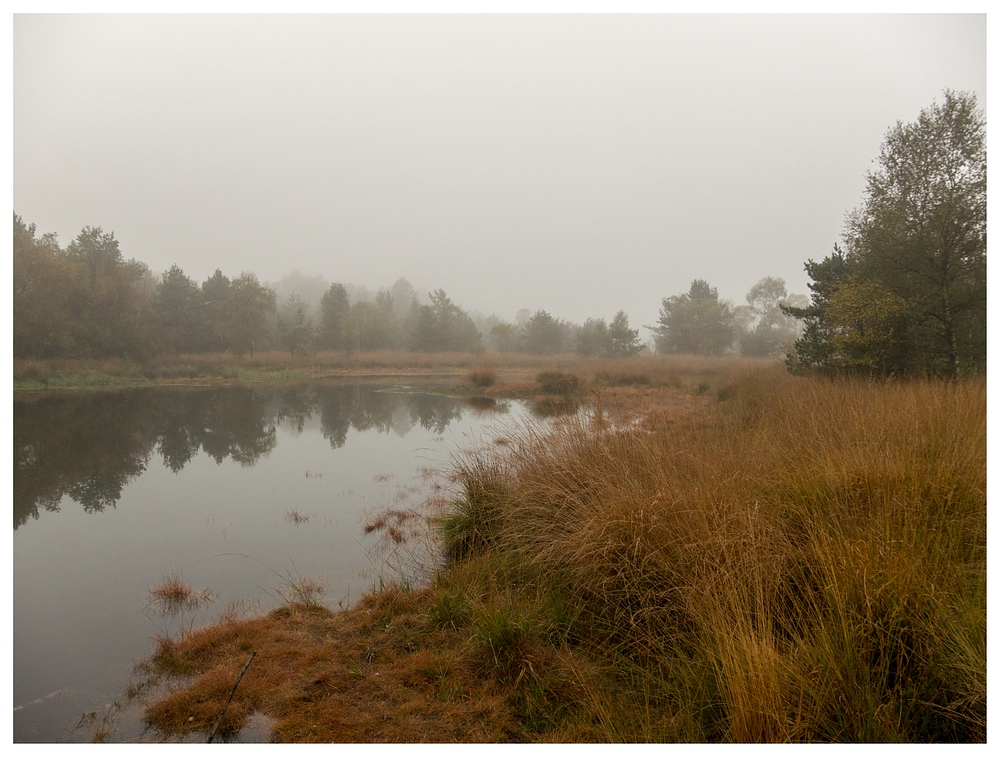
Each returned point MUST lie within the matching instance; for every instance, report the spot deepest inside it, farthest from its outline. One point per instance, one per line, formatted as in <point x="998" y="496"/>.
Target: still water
<point x="240" y="491"/>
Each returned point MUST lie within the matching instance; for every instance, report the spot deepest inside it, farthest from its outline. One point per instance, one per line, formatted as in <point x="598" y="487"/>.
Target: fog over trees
<point x="87" y="300"/>
<point x="906" y="295"/>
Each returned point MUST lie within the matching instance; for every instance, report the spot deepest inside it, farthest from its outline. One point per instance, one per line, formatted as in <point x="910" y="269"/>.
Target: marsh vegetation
<point x="786" y="560"/>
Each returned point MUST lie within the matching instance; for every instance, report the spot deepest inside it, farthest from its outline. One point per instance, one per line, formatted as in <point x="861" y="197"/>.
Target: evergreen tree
<point x="334" y="308"/>
<point x="696" y="323"/>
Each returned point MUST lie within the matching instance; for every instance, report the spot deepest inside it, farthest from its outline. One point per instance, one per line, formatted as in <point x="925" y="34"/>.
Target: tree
<point x="921" y="231"/>
<point x="504" y="336"/>
<point x="545" y="335"/>
<point x="592" y="338"/>
<point x="403" y="296"/>
<point x="179" y="312"/>
<point x="622" y="341"/>
<point x="97" y="250"/>
<point x="247" y="307"/>
<point x="215" y="301"/>
<point x="295" y="326"/>
<point x="773" y="330"/>
<point x="108" y="300"/>
<point x="43" y="281"/>
<point x="367" y="328"/>
<point x="334" y="308"/>
<point x="442" y="326"/>
<point x="868" y="327"/>
<point x="911" y="287"/>
<point x="814" y="349"/>
<point x="696" y="322"/>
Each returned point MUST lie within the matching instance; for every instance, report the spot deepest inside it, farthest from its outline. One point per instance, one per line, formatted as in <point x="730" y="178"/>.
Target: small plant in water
<point x="174" y="595"/>
<point x="301" y="590"/>
<point x="295" y="517"/>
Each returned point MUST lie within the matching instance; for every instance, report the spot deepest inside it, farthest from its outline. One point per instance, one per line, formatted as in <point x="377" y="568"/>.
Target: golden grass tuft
<point x="802" y="561"/>
<point x="174" y="595"/>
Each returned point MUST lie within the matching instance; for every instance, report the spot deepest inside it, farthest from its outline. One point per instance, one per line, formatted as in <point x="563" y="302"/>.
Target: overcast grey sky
<point x="577" y="164"/>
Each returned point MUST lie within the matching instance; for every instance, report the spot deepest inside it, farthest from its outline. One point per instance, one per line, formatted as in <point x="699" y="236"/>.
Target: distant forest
<point x="88" y="301"/>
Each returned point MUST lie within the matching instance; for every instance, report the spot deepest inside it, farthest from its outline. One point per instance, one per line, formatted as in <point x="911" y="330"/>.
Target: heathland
<point x="711" y="551"/>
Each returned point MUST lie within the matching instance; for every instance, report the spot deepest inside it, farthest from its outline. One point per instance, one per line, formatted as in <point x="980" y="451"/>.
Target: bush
<point x="558" y="382"/>
<point x="483" y="376"/>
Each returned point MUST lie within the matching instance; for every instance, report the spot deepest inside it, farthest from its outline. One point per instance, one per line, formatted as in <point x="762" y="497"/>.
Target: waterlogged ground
<point x="244" y="495"/>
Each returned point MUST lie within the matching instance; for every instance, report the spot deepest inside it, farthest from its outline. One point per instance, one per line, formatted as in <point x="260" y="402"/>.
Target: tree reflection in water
<point x="90" y="445"/>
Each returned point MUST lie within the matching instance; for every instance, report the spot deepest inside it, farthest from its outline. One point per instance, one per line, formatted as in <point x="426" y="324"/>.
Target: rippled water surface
<point x="238" y="491"/>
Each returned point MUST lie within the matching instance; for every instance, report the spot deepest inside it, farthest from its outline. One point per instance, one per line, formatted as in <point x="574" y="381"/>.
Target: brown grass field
<point x="715" y="552"/>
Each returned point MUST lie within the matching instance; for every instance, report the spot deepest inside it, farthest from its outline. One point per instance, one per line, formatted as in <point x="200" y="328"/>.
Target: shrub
<point x="558" y="382"/>
<point x="483" y="376"/>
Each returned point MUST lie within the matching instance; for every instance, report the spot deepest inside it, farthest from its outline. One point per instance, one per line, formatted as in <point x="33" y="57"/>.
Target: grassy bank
<point x="490" y="373"/>
<point x="804" y="560"/>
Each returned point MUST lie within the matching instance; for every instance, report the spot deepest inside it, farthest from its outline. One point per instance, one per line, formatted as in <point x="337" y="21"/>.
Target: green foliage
<point x="180" y="313"/>
<point x="918" y="244"/>
<point x="773" y="330"/>
<point x="696" y="323"/>
<point x="215" y="297"/>
<point x="814" y="349"/>
<point x="295" y="326"/>
<point x="450" y="609"/>
<point x="502" y="635"/>
<point x="592" y="338"/>
<point x="545" y="335"/>
<point x="246" y="309"/>
<point x="471" y="526"/>
<point x="622" y="341"/>
<point x="595" y="337"/>
<point x="442" y="326"/>
<point x="869" y="327"/>
<point x="43" y="284"/>
<point x="334" y="308"/>
<point x="505" y="337"/>
<point x="921" y="231"/>
<point x="368" y="327"/>
<point x="85" y="301"/>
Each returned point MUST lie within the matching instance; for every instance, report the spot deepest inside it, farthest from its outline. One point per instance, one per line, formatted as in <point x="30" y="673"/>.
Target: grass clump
<point x="807" y="563"/>
<point x="483" y="376"/>
<point x="173" y="595"/>
<point x="558" y="382"/>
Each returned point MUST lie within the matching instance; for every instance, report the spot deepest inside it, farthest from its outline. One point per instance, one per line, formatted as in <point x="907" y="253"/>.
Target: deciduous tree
<point x="921" y="231"/>
<point x="247" y="307"/>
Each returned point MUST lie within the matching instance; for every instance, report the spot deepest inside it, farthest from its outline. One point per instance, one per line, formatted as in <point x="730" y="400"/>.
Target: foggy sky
<point x="577" y="164"/>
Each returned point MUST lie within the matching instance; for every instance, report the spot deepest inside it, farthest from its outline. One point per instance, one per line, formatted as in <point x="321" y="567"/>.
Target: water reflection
<point x="554" y="407"/>
<point x="90" y="445"/>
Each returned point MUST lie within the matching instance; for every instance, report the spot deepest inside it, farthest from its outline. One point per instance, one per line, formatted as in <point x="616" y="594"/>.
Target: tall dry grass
<point x="643" y="370"/>
<point x="806" y="564"/>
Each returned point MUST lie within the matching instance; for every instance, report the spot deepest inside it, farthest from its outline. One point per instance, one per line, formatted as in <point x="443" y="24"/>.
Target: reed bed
<point x="807" y="564"/>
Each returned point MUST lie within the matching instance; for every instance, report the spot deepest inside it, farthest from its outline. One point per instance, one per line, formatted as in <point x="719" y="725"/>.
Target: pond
<point x="243" y="493"/>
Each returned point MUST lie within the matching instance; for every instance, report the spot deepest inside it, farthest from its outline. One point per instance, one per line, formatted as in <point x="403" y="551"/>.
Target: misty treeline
<point x="88" y="300"/>
<point x="905" y="295"/>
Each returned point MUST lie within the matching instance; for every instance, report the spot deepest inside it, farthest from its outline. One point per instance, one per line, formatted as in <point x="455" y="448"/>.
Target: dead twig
<point x="226" y="706"/>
